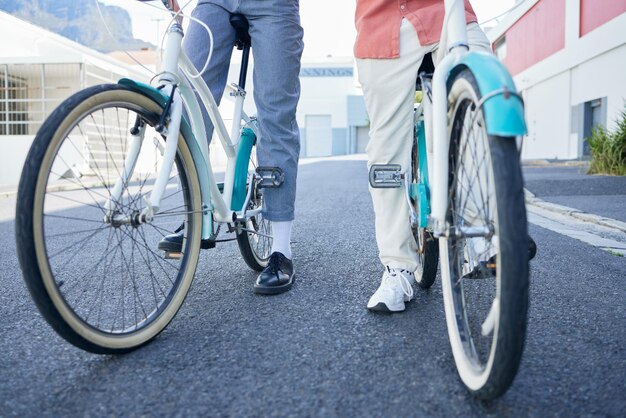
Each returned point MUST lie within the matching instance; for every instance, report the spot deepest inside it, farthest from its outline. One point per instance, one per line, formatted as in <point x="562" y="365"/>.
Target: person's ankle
<point x="281" y="238"/>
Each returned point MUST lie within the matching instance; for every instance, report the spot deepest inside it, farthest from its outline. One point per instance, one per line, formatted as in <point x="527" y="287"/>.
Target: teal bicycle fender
<point x="194" y="148"/>
<point x="246" y="142"/>
<point x="504" y="113"/>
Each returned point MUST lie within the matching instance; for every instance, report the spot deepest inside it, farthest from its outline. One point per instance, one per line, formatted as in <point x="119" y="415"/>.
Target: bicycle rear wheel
<point x="427" y="246"/>
<point x="485" y="269"/>
<point x="254" y="240"/>
<point x="102" y="284"/>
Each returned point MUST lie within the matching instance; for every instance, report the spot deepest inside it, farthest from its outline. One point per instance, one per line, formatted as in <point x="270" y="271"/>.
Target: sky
<point x="328" y="24"/>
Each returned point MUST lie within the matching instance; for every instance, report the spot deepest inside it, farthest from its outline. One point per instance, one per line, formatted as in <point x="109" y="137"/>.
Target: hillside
<point x="78" y="21"/>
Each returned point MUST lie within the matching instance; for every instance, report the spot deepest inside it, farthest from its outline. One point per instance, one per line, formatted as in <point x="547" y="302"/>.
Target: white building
<point x="331" y="112"/>
<point x="568" y="58"/>
<point x="38" y="70"/>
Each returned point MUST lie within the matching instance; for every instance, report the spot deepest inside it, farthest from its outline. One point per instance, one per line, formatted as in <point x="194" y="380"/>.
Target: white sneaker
<point x="395" y="289"/>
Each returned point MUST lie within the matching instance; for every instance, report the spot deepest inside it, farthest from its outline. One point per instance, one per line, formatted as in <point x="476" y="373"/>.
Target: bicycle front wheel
<point x="484" y="263"/>
<point x="100" y="282"/>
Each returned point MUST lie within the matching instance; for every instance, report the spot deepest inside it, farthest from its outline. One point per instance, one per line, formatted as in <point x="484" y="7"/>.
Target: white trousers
<point x="389" y="92"/>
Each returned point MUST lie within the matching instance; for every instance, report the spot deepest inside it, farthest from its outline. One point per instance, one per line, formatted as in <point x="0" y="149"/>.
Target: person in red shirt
<point x="393" y="36"/>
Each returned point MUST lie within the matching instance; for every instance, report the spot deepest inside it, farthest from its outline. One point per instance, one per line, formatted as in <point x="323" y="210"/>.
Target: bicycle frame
<point x="181" y="90"/>
<point x="503" y="107"/>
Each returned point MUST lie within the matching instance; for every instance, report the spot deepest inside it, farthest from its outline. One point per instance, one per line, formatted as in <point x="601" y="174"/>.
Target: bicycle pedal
<point x="270" y="177"/>
<point x="205" y="244"/>
<point x="173" y="255"/>
<point x="386" y="176"/>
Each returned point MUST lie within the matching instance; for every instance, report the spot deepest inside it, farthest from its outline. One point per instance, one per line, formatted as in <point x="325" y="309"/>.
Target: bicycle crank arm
<point x="252" y="231"/>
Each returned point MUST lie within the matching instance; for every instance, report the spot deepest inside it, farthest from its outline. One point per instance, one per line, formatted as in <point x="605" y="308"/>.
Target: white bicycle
<point x="114" y="169"/>
<point x="466" y="167"/>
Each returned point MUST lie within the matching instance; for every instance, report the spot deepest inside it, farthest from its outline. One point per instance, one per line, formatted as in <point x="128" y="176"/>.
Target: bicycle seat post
<point x="243" y="43"/>
<point x="244" y="66"/>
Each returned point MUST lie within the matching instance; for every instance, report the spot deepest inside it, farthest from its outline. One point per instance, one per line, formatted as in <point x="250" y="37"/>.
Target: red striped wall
<point x="594" y="13"/>
<point x="537" y="35"/>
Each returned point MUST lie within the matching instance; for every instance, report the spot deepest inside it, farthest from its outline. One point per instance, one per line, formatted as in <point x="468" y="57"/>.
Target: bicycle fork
<point x="137" y="132"/>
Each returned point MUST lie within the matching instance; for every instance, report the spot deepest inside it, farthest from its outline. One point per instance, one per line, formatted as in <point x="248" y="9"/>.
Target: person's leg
<point x="389" y="92"/>
<point x="277" y="48"/>
<point x="197" y="44"/>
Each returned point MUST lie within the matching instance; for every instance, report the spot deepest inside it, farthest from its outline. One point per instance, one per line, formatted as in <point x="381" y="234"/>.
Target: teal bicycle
<point x="114" y="169"/>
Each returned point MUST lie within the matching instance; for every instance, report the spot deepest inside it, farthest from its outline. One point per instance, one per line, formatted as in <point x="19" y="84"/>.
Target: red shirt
<point x="378" y="24"/>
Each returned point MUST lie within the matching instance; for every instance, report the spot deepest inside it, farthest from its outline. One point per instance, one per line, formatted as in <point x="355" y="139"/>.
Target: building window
<point x="30" y="92"/>
<point x="500" y="48"/>
<point x="13" y="105"/>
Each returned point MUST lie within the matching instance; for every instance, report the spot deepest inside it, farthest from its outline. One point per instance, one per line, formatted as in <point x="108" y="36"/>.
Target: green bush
<point x="608" y="149"/>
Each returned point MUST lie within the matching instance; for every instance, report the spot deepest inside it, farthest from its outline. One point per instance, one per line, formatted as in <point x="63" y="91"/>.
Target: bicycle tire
<point x="486" y="305"/>
<point x="99" y="306"/>
<point x="427" y="245"/>
<point x="254" y="240"/>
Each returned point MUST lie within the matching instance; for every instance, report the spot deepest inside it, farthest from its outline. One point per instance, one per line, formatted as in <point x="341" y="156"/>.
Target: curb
<point x="554" y="163"/>
<point x="531" y="199"/>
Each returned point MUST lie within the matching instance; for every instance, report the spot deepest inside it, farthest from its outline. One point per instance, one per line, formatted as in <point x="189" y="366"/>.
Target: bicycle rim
<point x="486" y="328"/>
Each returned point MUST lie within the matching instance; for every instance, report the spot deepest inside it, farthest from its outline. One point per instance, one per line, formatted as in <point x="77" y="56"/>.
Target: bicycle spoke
<point x="105" y="273"/>
<point x="160" y="230"/>
<point x="87" y="273"/>
<point x="99" y="207"/>
<point x="470" y="205"/>
<point x="84" y="240"/>
<point x="158" y="260"/>
<point x="93" y="158"/>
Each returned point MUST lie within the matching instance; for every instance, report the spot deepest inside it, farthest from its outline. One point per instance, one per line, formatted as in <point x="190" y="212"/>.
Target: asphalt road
<point x="316" y="350"/>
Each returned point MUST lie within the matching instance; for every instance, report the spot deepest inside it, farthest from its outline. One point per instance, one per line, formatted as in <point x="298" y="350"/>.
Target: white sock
<point x="281" y="234"/>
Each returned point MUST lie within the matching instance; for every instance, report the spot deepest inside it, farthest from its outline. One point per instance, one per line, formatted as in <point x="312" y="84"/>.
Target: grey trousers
<point x="276" y="48"/>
